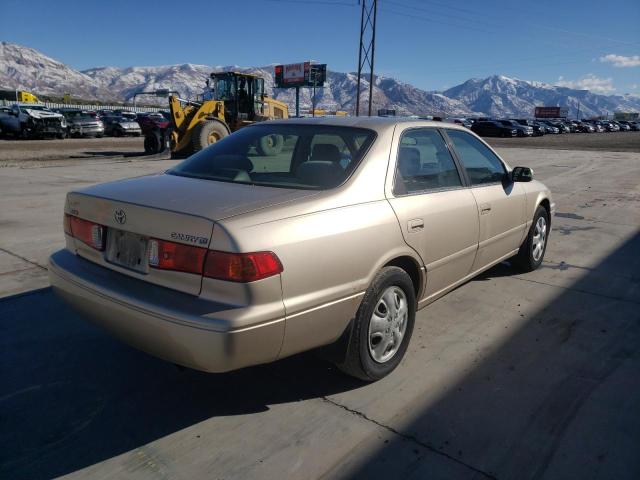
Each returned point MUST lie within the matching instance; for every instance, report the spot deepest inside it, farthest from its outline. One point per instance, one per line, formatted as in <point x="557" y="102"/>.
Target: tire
<point x="99" y="135"/>
<point x="207" y="133"/>
<point x="389" y="285"/>
<point x="270" y="145"/>
<point x="527" y="260"/>
<point x="153" y="143"/>
<point x="61" y="136"/>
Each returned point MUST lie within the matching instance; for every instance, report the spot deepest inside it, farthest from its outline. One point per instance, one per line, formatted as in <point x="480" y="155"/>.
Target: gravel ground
<point x="33" y="153"/>
<point x="610" y="142"/>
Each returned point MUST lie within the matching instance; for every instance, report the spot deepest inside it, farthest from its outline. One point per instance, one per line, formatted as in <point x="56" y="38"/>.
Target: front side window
<point x="288" y="156"/>
<point x="424" y="163"/>
<point x="481" y="164"/>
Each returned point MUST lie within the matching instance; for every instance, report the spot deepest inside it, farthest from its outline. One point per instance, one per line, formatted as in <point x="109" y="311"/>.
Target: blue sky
<point x="433" y="44"/>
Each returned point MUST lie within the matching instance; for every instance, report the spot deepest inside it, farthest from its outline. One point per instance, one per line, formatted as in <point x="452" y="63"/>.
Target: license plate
<point x="128" y="250"/>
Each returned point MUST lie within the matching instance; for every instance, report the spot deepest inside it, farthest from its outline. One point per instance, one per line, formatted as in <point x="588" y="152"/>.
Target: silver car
<point x="233" y="258"/>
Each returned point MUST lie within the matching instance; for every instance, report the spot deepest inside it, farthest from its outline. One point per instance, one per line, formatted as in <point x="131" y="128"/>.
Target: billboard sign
<point x="300" y="75"/>
<point x="551" y="112"/>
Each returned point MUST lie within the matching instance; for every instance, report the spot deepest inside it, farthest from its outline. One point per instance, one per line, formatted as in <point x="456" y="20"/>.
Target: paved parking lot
<point x="510" y="376"/>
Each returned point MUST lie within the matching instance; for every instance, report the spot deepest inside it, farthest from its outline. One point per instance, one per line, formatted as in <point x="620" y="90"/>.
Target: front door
<point x="501" y="203"/>
<point x="437" y="214"/>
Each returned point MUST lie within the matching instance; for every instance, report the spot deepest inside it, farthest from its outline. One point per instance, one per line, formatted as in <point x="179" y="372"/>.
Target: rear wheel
<point x="206" y="133"/>
<point x="382" y="327"/>
<point x="532" y="251"/>
<point x="270" y="145"/>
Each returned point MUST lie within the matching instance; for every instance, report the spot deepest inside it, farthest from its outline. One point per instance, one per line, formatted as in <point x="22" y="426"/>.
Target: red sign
<point x="550" y="112"/>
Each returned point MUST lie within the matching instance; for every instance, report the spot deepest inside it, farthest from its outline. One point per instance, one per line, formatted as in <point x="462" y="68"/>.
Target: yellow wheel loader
<point x="231" y="101"/>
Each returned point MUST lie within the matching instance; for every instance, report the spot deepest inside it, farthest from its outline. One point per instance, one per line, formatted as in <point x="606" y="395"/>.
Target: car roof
<point x="373" y="123"/>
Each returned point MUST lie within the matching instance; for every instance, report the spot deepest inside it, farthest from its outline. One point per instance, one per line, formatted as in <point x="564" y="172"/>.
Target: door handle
<point x="415" y="224"/>
<point x="485" y="208"/>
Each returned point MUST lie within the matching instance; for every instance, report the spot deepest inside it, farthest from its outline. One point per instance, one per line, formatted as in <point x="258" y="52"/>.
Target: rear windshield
<point x="314" y="157"/>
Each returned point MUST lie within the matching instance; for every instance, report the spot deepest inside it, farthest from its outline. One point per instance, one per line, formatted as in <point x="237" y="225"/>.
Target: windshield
<point x="35" y="107"/>
<point x="286" y="156"/>
<point x="223" y="88"/>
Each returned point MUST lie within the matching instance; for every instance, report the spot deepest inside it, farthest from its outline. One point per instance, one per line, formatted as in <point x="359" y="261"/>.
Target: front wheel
<point x="532" y="251"/>
<point x="382" y="327"/>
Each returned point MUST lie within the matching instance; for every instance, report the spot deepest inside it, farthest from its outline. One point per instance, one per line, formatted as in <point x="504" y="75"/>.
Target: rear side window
<point x="481" y="164"/>
<point x="424" y="163"/>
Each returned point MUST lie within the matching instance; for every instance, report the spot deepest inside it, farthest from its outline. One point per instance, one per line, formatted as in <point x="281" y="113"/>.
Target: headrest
<point x="323" y="174"/>
<point x="325" y="152"/>
<point x="409" y="161"/>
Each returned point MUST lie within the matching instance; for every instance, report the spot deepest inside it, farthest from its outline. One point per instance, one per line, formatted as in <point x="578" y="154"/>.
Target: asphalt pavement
<point x="527" y="376"/>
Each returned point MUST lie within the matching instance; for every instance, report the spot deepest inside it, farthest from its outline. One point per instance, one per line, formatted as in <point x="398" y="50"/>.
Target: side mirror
<point x="521" y="174"/>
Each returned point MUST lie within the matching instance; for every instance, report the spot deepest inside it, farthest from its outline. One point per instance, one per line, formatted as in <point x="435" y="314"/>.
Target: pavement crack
<point x="24" y="259"/>
<point x="579" y="290"/>
<point x="409" y="437"/>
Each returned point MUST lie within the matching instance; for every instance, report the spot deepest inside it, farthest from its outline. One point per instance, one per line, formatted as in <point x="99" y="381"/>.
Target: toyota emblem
<point x="120" y="216"/>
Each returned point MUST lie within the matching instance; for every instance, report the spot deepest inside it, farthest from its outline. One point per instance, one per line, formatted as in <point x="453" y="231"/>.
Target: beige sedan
<point x="233" y="258"/>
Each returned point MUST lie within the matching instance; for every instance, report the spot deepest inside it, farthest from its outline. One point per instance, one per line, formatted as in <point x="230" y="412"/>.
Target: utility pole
<point x="367" y="47"/>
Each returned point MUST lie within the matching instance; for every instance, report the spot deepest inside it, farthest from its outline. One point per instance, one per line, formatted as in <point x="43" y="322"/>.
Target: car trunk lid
<point x="163" y="207"/>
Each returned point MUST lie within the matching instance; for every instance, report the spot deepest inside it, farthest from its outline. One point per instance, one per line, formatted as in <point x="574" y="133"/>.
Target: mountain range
<point x="497" y="96"/>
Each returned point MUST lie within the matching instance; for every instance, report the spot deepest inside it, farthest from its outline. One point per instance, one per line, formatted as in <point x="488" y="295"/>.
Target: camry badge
<point x="120" y="216"/>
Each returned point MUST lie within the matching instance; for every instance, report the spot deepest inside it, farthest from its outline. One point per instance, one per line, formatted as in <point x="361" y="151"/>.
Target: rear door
<point x="438" y="215"/>
<point x="501" y="203"/>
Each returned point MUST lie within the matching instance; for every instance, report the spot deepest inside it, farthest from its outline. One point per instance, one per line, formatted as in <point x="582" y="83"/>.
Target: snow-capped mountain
<point x="500" y="96"/>
<point x="27" y="69"/>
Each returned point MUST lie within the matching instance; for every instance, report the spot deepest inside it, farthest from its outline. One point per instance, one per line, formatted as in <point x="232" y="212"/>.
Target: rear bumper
<point x="171" y="325"/>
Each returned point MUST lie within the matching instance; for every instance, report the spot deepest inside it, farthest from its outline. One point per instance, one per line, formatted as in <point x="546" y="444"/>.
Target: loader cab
<point x="242" y="94"/>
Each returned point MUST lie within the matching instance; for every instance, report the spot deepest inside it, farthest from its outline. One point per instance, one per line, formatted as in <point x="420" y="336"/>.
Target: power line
<point x="519" y="10"/>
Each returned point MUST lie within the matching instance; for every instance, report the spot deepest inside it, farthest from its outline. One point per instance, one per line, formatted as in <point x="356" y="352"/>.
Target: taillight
<point x="176" y="256"/>
<point x="67" y="224"/>
<point x="87" y="232"/>
<point x="241" y="267"/>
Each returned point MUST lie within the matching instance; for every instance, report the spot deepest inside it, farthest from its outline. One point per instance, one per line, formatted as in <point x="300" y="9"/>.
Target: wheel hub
<point x="388" y="324"/>
<point x="539" y="239"/>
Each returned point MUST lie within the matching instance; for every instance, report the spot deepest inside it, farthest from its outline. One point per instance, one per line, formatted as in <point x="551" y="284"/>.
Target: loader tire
<point x="270" y="145"/>
<point x="154" y="143"/>
<point x="206" y="133"/>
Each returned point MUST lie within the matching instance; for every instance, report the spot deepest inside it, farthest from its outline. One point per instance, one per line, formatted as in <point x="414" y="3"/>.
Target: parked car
<point x="29" y="120"/>
<point x="205" y="264"/>
<point x="105" y="113"/>
<point x="522" y="130"/>
<point x="554" y="127"/>
<point x="461" y="121"/>
<point x="121" y="126"/>
<point x="585" y="127"/>
<point x="126" y="114"/>
<point x="635" y="126"/>
<point x="622" y="126"/>
<point x="156" y="130"/>
<point x="493" y="129"/>
<point x="538" y="130"/>
<point x="81" y="124"/>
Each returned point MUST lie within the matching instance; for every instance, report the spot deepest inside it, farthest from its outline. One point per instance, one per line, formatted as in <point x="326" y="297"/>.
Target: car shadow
<point x="72" y="396"/>
<point x="108" y="153"/>
<point x="557" y="397"/>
